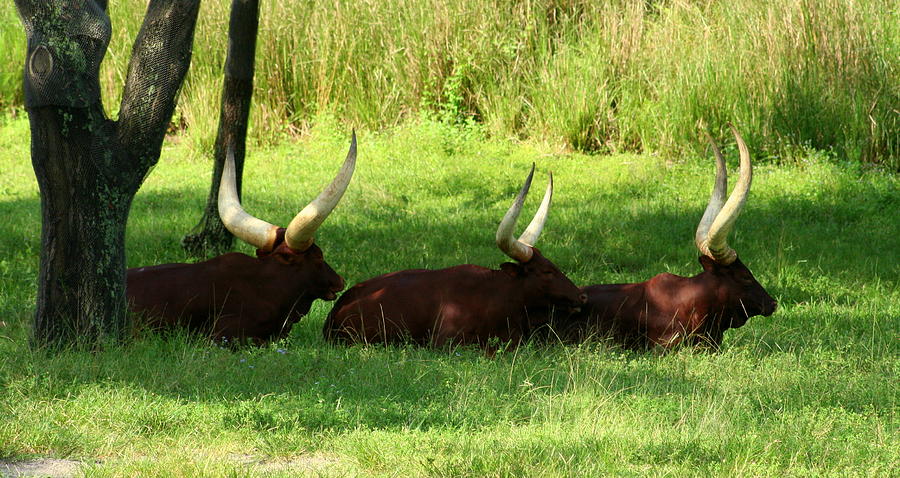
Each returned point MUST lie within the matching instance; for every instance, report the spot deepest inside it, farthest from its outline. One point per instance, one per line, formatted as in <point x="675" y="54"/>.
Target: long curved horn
<point x="301" y="231"/>
<point x="716" y="199"/>
<point x="716" y="240"/>
<point x="533" y="231"/>
<point x="520" y="249"/>
<point x="245" y="227"/>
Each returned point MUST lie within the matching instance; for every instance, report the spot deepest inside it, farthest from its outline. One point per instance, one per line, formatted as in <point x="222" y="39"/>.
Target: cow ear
<point x="708" y="264"/>
<point x="510" y="268"/>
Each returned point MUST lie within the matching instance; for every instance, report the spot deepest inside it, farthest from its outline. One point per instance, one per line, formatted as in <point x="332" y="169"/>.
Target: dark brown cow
<point x="668" y="309"/>
<point x="465" y="304"/>
<point x="236" y="296"/>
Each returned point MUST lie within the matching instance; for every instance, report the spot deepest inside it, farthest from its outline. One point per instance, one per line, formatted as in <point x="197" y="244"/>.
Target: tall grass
<point x="618" y="75"/>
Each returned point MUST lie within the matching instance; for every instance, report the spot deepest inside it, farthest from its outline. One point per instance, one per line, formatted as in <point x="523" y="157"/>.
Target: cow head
<point x="737" y="294"/>
<point x="292" y="246"/>
<point x="308" y="267"/>
<point x="543" y="284"/>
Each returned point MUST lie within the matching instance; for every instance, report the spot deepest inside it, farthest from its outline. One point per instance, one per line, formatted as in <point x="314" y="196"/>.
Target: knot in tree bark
<point x="66" y="44"/>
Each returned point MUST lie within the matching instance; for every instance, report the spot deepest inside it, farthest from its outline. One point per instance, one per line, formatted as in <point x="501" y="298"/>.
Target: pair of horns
<point x="720" y="215"/>
<point x="521" y="249"/>
<point x="300" y="232"/>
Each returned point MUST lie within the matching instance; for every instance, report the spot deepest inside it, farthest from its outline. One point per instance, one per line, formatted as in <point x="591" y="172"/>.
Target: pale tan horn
<point x="716" y="199"/>
<point x="717" y="238"/>
<point x="520" y="249"/>
<point x="245" y="227"/>
<point x="301" y="231"/>
<point x="533" y="231"/>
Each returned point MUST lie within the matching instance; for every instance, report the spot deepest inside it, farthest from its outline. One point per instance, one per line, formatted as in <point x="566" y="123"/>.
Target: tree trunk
<point x="81" y="283"/>
<point x="209" y="236"/>
<point x="88" y="167"/>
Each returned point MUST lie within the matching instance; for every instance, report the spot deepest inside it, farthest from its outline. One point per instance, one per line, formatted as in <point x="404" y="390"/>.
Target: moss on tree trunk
<point x="81" y="286"/>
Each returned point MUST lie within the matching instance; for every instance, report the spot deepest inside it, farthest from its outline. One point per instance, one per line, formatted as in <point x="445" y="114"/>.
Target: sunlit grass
<point x="806" y="392"/>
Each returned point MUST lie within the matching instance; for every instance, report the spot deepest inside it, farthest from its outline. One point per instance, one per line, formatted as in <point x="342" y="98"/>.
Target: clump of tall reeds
<point x="594" y="76"/>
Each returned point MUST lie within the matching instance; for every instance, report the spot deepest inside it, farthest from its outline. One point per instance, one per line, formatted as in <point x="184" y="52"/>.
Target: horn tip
<point x="352" y="152"/>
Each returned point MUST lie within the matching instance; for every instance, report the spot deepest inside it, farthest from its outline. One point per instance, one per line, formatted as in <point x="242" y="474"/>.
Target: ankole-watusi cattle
<point x="236" y="296"/>
<point x="668" y="309"/>
<point x="466" y="304"/>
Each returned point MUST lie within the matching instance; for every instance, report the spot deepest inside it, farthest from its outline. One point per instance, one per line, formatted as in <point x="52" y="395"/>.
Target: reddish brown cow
<point x="465" y="304"/>
<point x="668" y="309"/>
<point x="235" y="296"/>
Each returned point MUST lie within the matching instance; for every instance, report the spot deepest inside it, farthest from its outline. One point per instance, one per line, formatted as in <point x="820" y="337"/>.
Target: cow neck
<point x="705" y="282"/>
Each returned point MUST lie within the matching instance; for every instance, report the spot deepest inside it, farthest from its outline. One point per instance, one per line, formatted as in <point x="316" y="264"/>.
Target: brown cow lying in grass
<point x="668" y="310"/>
<point x="239" y="297"/>
<point x="465" y="304"/>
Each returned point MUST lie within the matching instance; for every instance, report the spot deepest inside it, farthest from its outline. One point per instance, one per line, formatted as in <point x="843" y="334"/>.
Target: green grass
<point x="620" y="76"/>
<point x="810" y="391"/>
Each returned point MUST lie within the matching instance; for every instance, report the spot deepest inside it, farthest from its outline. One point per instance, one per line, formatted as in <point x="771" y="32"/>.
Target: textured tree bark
<point x="88" y="167"/>
<point x="81" y="283"/>
<point x="209" y="237"/>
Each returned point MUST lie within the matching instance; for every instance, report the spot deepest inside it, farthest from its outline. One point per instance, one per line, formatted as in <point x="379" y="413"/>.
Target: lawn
<point x="810" y="391"/>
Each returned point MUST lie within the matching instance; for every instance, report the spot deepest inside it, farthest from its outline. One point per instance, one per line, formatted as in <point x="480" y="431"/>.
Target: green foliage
<point x="807" y="392"/>
<point x="593" y="76"/>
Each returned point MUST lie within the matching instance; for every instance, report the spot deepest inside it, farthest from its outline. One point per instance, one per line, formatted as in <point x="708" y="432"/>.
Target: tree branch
<point x="159" y="61"/>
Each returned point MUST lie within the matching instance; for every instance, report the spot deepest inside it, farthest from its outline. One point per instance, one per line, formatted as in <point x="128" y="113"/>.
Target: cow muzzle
<point x="334" y="288"/>
<point x="574" y="307"/>
<point x="770" y="308"/>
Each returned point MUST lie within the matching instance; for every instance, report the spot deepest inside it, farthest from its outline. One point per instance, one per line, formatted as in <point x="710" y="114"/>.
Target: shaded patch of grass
<point x="804" y="392"/>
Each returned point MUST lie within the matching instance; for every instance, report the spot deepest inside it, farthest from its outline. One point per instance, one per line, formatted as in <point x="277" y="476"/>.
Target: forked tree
<point x="88" y="166"/>
<point x="209" y="236"/>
